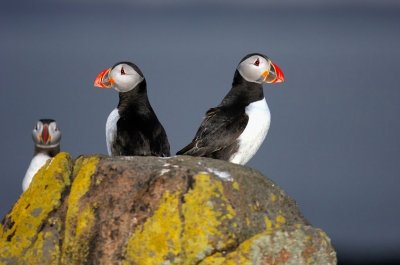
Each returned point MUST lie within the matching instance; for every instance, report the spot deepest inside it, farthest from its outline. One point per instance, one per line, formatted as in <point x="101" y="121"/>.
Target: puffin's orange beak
<point x="279" y="74"/>
<point x="45" y="134"/>
<point x="275" y="75"/>
<point x="103" y="80"/>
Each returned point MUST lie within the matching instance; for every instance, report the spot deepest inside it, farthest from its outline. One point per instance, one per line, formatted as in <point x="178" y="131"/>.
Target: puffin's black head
<point x="258" y="68"/>
<point x="46" y="133"/>
<point x="123" y="77"/>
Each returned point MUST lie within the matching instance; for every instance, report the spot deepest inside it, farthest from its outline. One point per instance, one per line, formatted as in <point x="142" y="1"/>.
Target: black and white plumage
<point x="236" y="128"/>
<point x="46" y="137"/>
<point x="132" y="128"/>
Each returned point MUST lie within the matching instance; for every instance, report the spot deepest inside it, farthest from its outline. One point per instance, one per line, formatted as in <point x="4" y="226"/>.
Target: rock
<point x="149" y="210"/>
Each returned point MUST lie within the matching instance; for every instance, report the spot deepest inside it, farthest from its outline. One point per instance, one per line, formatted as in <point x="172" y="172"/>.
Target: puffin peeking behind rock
<point x="235" y="129"/>
<point x="132" y="128"/>
<point x="46" y="137"/>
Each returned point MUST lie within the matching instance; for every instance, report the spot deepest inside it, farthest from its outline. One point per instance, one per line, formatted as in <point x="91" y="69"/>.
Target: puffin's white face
<point x="122" y="77"/>
<point x="46" y="133"/>
<point x="259" y="69"/>
<point x="125" y="77"/>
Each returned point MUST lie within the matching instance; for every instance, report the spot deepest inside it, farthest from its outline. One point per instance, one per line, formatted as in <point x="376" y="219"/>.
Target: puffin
<point x="132" y="129"/>
<point x="235" y="129"/>
<point x="46" y="136"/>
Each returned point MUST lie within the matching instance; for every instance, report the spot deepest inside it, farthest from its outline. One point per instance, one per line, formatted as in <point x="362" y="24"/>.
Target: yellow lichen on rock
<point x="268" y="225"/>
<point x="185" y="231"/>
<point x="273" y="197"/>
<point x="121" y="210"/>
<point x="240" y="256"/>
<point x="158" y="240"/>
<point x="47" y="242"/>
<point x="21" y="225"/>
<point x="235" y="185"/>
<point x="281" y="247"/>
<point x="206" y="212"/>
<point x="85" y="220"/>
<point x="280" y="220"/>
<point x="79" y="218"/>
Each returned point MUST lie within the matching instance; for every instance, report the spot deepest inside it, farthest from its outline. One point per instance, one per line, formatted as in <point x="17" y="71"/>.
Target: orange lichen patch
<point x="284" y="255"/>
<point x="308" y="251"/>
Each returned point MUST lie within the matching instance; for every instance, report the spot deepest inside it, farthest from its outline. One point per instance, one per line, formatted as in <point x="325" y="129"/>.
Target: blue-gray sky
<point x="334" y="142"/>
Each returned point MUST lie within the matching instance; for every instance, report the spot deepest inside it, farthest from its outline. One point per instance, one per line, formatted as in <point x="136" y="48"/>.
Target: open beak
<point x="274" y="75"/>
<point x="45" y="136"/>
<point x="103" y="80"/>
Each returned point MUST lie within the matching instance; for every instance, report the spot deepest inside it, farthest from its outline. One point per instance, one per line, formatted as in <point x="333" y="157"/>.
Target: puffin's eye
<point x="122" y="71"/>
<point x="257" y="62"/>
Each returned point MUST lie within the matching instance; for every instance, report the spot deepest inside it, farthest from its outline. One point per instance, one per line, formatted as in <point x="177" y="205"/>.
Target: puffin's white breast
<point x="111" y="129"/>
<point x="255" y="132"/>
<point x="37" y="162"/>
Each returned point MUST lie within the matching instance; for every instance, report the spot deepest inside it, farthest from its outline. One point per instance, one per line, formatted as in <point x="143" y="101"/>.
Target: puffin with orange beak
<point x="132" y="128"/>
<point x="236" y="128"/>
<point x="46" y="137"/>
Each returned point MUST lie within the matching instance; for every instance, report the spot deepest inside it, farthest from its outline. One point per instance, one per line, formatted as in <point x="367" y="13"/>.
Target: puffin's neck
<point x="134" y="101"/>
<point x="242" y="92"/>
<point x="50" y="151"/>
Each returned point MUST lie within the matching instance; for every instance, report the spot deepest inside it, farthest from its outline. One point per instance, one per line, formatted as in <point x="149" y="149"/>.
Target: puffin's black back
<point x="139" y="131"/>
<point x="218" y="133"/>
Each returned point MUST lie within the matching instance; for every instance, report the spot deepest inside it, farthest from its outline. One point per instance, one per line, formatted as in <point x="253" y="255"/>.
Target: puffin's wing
<point x="219" y="129"/>
<point x="160" y="145"/>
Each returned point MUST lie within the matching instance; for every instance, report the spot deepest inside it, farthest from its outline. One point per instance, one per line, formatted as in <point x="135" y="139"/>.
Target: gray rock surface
<point x="149" y="210"/>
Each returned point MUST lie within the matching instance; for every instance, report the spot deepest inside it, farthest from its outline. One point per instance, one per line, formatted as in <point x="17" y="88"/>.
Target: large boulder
<point x="149" y="210"/>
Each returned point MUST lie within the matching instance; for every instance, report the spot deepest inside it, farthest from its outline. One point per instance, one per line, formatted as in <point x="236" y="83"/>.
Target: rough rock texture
<point x="148" y="210"/>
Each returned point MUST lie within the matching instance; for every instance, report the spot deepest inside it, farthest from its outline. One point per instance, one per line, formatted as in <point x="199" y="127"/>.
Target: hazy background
<point x="334" y="142"/>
